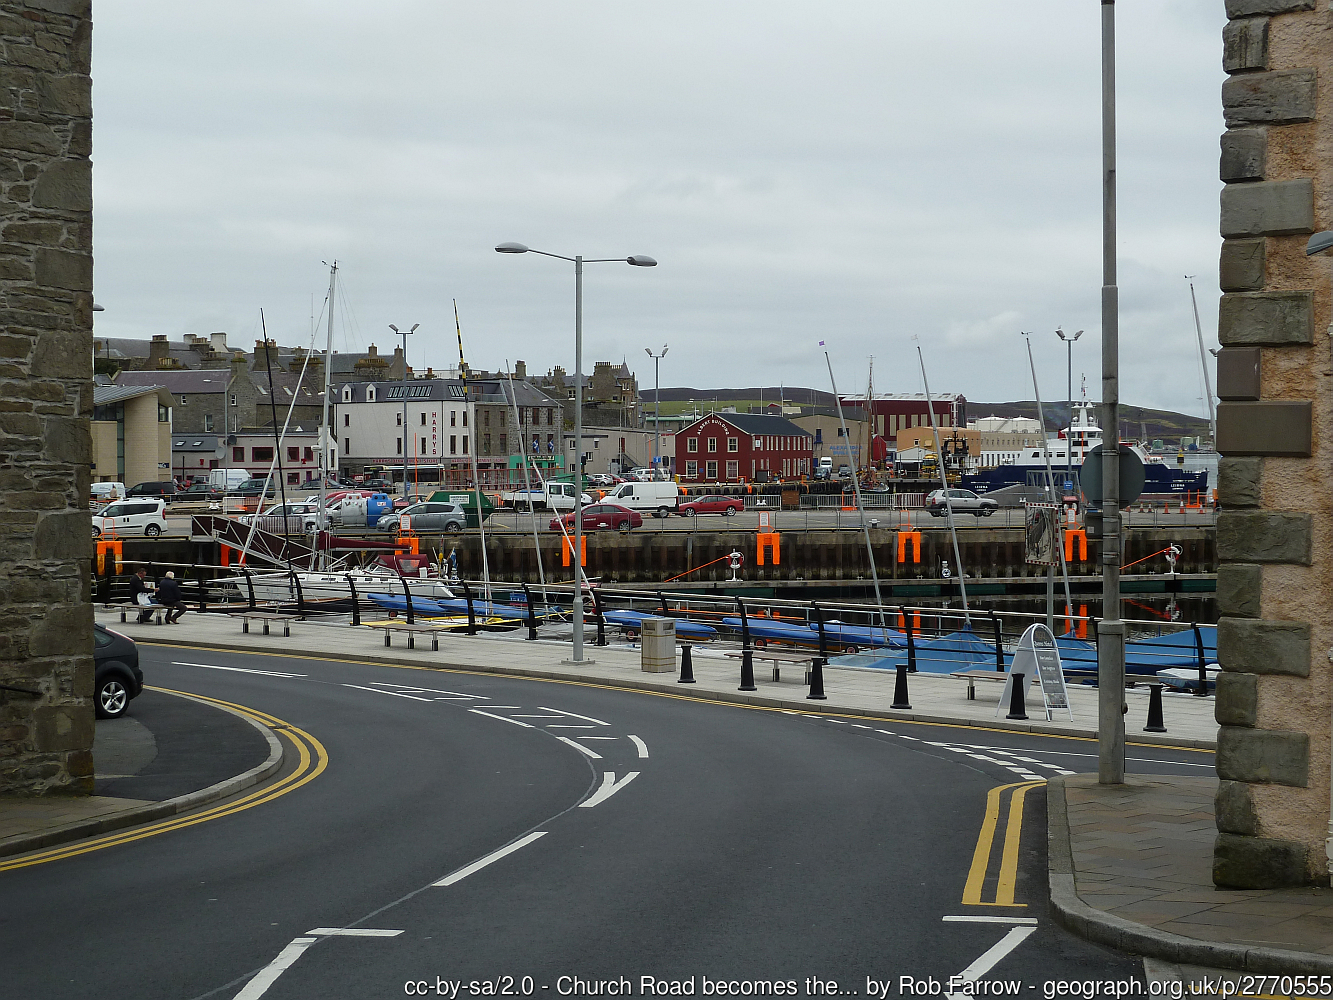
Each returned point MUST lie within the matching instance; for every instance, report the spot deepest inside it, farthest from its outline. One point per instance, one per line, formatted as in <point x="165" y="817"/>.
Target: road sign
<point x="1131" y="476"/>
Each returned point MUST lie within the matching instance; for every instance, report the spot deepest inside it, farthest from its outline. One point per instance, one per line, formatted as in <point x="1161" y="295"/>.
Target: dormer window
<point x="347" y="394"/>
<point x="370" y="394"/>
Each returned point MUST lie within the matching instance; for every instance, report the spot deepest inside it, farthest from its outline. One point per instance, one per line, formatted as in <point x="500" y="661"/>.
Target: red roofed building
<point x="733" y="447"/>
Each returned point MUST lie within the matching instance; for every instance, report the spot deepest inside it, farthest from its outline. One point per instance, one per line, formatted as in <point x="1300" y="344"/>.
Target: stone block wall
<point x="46" y="272"/>
<point x="1274" y="424"/>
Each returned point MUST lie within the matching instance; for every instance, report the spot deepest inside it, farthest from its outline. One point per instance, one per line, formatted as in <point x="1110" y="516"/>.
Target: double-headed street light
<point x="638" y="260"/>
<point x="403" y="334"/>
<point x="1069" y="438"/>
<point x="657" y="406"/>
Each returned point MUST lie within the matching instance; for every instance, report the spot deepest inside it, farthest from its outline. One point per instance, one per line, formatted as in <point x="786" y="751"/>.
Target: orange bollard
<point x="915" y="538"/>
<point x="769" y="540"/>
<point x="567" y="550"/>
<point x="1079" y="535"/>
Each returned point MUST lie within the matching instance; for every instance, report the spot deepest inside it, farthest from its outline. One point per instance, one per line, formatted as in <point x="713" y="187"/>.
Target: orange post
<point x="1072" y="535"/>
<point x="113" y="546"/>
<point x="909" y="536"/>
<point x="567" y="550"/>
<point x="768" y="539"/>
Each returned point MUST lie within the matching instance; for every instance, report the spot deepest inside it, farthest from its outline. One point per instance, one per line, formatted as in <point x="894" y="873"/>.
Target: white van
<point x="103" y="493"/>
<point x="226" y="480"/>
<point x="660" y="498"/>
<point x="136" y="516"/>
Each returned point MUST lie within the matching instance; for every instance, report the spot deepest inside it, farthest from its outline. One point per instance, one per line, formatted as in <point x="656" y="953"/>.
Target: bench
<point x="777" y="659"/>
<point x="972" y="676"/>
<point x="412" y="632"/>
<point x="126" y="608"/>
<point x="268" y="618"/>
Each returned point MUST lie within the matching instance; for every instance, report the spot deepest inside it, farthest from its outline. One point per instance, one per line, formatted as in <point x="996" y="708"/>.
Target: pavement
<point x="1130" y="865"/>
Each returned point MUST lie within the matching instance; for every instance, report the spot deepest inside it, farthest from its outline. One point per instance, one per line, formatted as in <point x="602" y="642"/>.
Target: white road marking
<point x="608" y="788"/>
<point x="569" y="725"/>
<point x="857" y="725"/>
<point x="599" y="737"/>
<point x="574" y="715"/>
<point x="990" y="958"/>
<point x="268" y="975"/>
<point x="540" y="717"/>
<point x="491" y="858"/>
<point x="579" y="746"/>
<point x="642" y="746"/>
<point x="396" y="694"/>
<point x="968" y="919"/>
<point x="353" y="932"/>
<point x="236" y="670"/>
<point x="411" y="687"/>
<point x="502" y="718"/>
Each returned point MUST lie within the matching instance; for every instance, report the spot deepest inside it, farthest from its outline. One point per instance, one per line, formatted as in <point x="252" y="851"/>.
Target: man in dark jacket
<point x="139" y="585"/>
<point x="169" y="596"/>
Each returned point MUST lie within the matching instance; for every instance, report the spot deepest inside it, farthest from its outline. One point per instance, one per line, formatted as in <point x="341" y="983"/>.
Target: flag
<point x="821" y="343"/>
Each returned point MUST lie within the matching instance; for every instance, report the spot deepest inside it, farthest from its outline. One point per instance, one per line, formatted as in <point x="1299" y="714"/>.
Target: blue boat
<point x="633" y="621"/>
<point x="429" y="607"/>
<point x="837" y="634"/>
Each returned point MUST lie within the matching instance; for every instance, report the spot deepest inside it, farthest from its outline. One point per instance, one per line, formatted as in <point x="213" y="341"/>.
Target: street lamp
<point x="638" y="260"/>
<point x="1069" y="434"/>
<point x="657" y="405"/>
<point x="403" y="334"/>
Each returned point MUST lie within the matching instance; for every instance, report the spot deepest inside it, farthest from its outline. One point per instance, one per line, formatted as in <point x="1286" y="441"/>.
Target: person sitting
<point x="141" y="596"/>
<point x="169" y="596"/>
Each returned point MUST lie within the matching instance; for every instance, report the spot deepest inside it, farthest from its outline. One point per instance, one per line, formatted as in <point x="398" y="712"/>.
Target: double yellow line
<point x="1008" y="875"/>
<point x="312" y="759"/>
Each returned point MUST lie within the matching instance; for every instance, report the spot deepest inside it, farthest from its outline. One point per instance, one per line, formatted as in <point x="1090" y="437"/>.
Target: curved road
<point x="650" y="836"/>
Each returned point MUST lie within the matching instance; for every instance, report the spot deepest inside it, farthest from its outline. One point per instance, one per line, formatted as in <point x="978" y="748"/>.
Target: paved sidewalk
<point x="1131" y="867"/>
<point x="934" y="697"/>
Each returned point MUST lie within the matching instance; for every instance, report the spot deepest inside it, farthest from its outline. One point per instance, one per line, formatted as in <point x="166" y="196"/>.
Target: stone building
<point x="1274" y="533"/>
<point x="46" y="398"/>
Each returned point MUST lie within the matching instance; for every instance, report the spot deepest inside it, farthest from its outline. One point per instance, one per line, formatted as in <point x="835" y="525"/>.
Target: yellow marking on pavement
<point x="1008" y="875"/>
<point x="311" y="762"/>
<point x="479" y="672"/>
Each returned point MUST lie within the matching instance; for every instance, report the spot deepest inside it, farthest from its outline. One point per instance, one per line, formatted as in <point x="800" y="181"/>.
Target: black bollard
<point x="747" y="670"/>
<point x="817" y="680"/>
<point x="532" y="614"/>
<point x="356" y="605"/>
<point x="1156" y="724"/>
<point x="1202" y="689"/>
<point x="900" y="689"/>
<point x="1017" y="698"/>
<point x="686" y="665"/>
<point x="471" y="610"/>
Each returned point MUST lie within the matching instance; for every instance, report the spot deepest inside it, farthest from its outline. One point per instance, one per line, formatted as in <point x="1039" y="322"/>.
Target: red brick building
<point x="891" y="413"/>
<point x="733" y="447"/>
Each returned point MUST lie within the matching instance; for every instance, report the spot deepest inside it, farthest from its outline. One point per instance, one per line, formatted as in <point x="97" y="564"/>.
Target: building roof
<point x="755" y="424"/>
<point x="451" y="390"/>
<point x="195" y="442"/>
<point x="104" y="395"/>
<point x="192" y="380"/>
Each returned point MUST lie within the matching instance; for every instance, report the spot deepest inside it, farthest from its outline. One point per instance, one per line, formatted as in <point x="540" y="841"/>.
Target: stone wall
<point x="46" y="281"/>
<point x="1274" y="540"/>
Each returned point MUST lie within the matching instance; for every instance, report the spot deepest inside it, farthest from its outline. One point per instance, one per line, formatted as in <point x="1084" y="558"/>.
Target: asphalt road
<point x="656" y="836"/>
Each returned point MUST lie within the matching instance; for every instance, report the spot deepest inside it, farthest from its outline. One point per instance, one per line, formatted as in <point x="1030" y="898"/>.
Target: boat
<point x="1069" y="449"/>
<point x="389" y="572"/>
<point x="836" y="634"/>
<point x="632" y="621"/>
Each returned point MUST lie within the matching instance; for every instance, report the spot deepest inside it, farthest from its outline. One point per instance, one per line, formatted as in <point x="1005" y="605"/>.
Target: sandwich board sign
<point x="1038" y="657"/>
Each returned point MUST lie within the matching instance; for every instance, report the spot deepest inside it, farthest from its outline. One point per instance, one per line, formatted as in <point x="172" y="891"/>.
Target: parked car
<point x="199" y="490"/>
<point x="660" y="498"/>
<point x="412" y="498"/>
<point x="254" y="487"/>
<point x="295" y="515"/>
<point x="134" y="516"/>
<point x="433" y="515"/>
<point x="962" y="502"/>
<point x="711" y="505"/>
<point x="602" y="515"/>
<point x="152" y="489"/>
<point x="605" y="480"/>
<point x="117" y="677"/>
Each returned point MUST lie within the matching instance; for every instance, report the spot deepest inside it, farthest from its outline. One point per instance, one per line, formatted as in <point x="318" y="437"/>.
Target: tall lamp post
<point x="657" y="405"/>
<point x="403" y="334"/>
<point x="1069" y="433"/>
<point x="638" y="260"/>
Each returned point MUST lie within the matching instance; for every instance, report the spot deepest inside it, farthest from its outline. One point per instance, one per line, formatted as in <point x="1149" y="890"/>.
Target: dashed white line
<point x="269" y="974"/>
<point x="395" y="694"/>
<point x="970" y="919"/>
<point x="491" y="858"/>
<point x="579" y="746"/>
<point x="642" y="746"/>
<point x="353" y="932"/>
<point x="236" y="670"/>
<point x="574" y="715"/>
<point x="569" y="725"/>
<point x="990" y="958"/>
<point x="502" y="718"/>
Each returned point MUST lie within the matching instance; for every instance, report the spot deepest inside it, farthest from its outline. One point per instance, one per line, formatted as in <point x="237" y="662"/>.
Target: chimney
<point x="158" y="350"/>
<point x="520" y="370"/>
<point x="371" y="352"/>
<point x="271" y="348"/>
<point x="396" y="366"/>
<point x="219" y="342"/>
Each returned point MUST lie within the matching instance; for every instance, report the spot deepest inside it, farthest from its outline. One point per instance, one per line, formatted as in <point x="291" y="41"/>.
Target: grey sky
<point x="854" y="172"/>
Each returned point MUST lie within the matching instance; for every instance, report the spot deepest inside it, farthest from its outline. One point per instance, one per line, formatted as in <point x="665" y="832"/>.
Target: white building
<point x="1003" y="439"/>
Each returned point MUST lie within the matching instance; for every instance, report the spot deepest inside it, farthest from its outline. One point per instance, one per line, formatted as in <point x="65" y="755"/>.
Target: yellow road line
<point x="312" y="760"/>
<point x="1008" y="877"/>
<point x="480" y="672"/>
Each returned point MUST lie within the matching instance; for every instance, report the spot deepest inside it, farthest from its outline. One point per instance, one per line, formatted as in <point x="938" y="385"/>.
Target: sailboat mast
<point x="326" y="437"/>
<point x="472" y="451"/>
<point x="1203" y="360"/>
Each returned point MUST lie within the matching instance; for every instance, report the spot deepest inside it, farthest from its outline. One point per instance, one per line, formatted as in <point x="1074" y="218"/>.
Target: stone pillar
<point x="46" y="281"/>
<point x="1274" y="542"/>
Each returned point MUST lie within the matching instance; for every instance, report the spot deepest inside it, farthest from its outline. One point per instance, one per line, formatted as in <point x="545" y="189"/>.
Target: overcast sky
<point x="854" y="172"/>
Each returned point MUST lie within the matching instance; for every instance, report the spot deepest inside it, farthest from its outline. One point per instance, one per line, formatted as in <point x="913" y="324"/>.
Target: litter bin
<point x="658" y="645"/>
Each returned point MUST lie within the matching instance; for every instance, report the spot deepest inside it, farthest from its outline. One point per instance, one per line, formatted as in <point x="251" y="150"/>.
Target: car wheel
<point x="113" y="697"/>
<point x="851" y="649"/>
<point x="760" y="643"/>
<point x="152" y="531"/>
<point x="987" y="511"/>
<point x="731" y="511"/>
<point x="663" y="512"/>
<point x="97" y="532"/>
<point x="454" y="527"/>
<point x="937" y="513"/>
<point x="624" y="525"/>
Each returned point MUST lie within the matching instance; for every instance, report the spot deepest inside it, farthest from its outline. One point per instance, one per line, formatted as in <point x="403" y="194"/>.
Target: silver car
<point x="433" y="515"/>
<point x="962" y="502"/>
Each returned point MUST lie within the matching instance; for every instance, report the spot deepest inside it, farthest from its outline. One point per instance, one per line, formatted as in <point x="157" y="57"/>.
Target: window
<point x="712" y="444"/>
<point x="465" y="418"/>
<point x="347" y="446"/>
<point x="486" y="442"/>
<point x="712" y="472"/>
<point x="347" y="394"/>
<point x="453" y="444"/>
<point x="759" y="444"/>
<point x="293" y="454"/>
<point x="233" y="399"/>
<point x="453" y="418"/>
<point x="504" y="444"/>
<point x="692" y="445"/>
<point x="208" y="423"/>
<point x="293" y="479"/>
<point x="691" y="470"/>
<point x="183" y="400"/>
<point x="347" y="420"/>
<point x="550" y="416"/>
<point x="550" y="444"/>
<point x="521" y="411"/>
<point x="733" y="445"/>
<point x="370" y="394"/>
<point x="423" y="446"/>
<point x="487" y="415"/>
<point x="163" y="414"/>
<point x="238" y="454"/>
<point x="261" y="454"/>
<point x="465" y="441"/>
<point x="423" y="420"/>
<point x="399" y="418"/>
<point x="733" y="470"/>
<point x="400" y="446"/>
<point x="309" y="454"/>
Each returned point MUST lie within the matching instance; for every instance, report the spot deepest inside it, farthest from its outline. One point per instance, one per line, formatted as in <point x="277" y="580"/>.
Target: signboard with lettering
<point x="1042" y="537"/>
<point x="1037" y="656"/>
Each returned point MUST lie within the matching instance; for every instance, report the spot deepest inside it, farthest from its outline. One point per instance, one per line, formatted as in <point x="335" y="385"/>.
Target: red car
<point x="711" y="505"/>
<point x="602" y="515"/>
